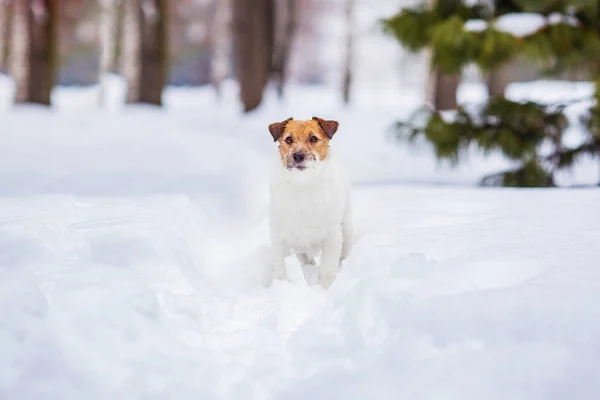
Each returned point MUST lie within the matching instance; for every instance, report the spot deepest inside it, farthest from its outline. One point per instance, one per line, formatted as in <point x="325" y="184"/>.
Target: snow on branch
<point x="520" y="24"/>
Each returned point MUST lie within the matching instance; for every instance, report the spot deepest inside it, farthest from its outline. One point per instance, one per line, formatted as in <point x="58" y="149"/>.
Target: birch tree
<point x="347" y="80"/>
<point x="109" y="37"/>
<point x="221" y="45"/>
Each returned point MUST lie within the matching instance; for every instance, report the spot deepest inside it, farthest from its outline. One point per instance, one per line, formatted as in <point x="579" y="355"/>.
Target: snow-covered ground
<point x="132" y="242"/>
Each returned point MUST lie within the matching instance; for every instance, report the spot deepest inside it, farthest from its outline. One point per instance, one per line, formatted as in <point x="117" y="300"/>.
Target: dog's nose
<point x="298" y="156"/>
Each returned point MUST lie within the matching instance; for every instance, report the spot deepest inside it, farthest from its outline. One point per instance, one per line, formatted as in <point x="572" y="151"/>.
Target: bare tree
<point x="253" y="27"/>
<point x="145" y="51"/>
<point x="33" y="49"/>
<point x="286" y="18"/>
<point x="5" y="19"/>
<point x="109" y="36"/>
<point x="221" y="44"/>
<point x="347" y="82"/>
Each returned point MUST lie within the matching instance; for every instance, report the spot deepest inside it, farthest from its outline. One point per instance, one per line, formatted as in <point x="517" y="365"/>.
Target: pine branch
<point x="529" y="174"/>
<point x="558" y="45"/>
<point x="566" y="157"/>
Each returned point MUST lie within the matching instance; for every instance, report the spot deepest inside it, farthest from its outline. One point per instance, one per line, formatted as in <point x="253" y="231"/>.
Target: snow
<point x="520" y="24"/>
<point x="475" y="25"/>
<point x="132" y="244"/>
<point x="551" y="92"/>
<point x="558" y="18"/>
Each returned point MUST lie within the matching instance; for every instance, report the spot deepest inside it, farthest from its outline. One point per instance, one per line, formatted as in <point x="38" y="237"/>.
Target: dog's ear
<point x="277" y="128"/>
<point x="330" y="127"/>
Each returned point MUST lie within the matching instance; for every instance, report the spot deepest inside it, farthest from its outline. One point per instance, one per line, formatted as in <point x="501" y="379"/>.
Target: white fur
<point x="310" y="214"/>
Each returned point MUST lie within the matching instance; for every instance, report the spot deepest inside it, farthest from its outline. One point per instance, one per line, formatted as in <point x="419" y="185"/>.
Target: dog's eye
<point x="314" y="139"/>
<point x="289" y="140"/>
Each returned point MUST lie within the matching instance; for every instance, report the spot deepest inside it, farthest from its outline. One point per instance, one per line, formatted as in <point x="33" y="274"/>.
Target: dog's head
<point x="303" y="143"/>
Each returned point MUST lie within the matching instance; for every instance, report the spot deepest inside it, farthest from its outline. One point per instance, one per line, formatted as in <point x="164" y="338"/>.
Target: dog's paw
<point x="271" y="274"/>
<point x="326" y="280"/>
<point x="280" y="274"/>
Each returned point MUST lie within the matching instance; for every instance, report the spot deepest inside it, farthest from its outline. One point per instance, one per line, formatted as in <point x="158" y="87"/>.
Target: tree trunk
<point x="221" y="45"/>
<point x="285" y="25"/>
<point x="497" y="80"/>
<point x="253" y="26"/>
<point x="145" y="50"/>
<point x="33" y="49"/>
<point x="347" y="82"/>
<point x="441" y="91"/>
<point x="109" y="35"/>
<point x="441" y="88"/>
<point x="5" y="23"/>
<point x="499" y="77"/>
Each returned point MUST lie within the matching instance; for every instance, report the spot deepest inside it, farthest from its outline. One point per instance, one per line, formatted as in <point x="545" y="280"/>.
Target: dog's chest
<point x="306" y="214"/>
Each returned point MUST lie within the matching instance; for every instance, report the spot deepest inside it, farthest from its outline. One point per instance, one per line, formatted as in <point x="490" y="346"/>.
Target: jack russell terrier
<point x="310" y="209"/>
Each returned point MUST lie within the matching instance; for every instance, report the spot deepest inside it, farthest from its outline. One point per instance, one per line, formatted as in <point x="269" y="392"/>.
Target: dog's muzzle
<point x="298" y="161"/>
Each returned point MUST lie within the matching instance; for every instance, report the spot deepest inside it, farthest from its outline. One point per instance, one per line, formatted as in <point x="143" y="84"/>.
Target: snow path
<point x="470" y="289"/>
<point x="132" y="245"/>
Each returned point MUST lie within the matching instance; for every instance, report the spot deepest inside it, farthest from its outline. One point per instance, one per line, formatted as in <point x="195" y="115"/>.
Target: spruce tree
<point x="568" y="38"/>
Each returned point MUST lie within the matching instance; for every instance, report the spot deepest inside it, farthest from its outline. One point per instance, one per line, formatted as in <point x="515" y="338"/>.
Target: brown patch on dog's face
<point x="302" y="142"/>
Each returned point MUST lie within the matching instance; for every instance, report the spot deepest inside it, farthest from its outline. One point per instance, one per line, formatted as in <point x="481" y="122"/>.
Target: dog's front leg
<point x="278" y="270"/>
<point x="330" y="262"/>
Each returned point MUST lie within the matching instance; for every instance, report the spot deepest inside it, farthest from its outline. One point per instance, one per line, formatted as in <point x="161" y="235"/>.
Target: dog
<point x="310" y="203"/>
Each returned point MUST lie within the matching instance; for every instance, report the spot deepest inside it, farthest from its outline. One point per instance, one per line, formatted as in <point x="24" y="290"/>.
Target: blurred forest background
<point x="388" y="45"/>
<point x="192" y="43"/>
<point x="203" y="42"/>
